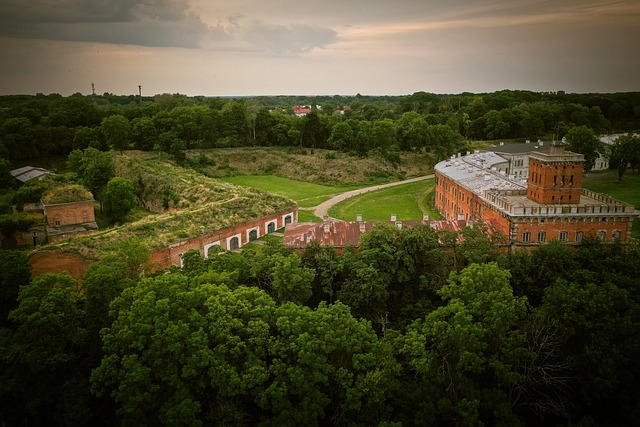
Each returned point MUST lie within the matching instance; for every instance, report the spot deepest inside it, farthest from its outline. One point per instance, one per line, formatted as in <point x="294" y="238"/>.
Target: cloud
<point x="288" y="39"/>
<point x="160" y="23"/>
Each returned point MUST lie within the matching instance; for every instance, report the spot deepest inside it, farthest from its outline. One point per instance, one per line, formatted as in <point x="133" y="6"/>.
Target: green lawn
<point x="607" y="183"/>
<point x="407" y="201"/>
<point x="305" y="194"/>
<point x="307" y="216"/>
<point x="628" y="190"/>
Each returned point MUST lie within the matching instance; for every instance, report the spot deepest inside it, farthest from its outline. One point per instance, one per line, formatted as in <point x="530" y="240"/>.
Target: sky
<point x="318" y="47"/>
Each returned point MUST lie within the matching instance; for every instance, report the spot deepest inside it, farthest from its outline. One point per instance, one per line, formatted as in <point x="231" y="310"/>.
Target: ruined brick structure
<point x="550" y="204"/>
<point x="66" y="220"/>
<point x="55" y="260"/>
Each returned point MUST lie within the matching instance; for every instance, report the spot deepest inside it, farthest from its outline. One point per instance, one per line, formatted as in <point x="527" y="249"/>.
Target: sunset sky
<point x="322" y="47"/>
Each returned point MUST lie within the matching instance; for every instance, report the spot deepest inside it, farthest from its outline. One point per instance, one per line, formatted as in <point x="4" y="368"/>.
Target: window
<point x="602" y="235"/>
<point x="579" y="236"/>
<point x="542" y="236"/>
<point x="526" y="236"/>
<point x="615" y="235"/>
<point x="563" y="236"/>
<point x="56" y="221"/>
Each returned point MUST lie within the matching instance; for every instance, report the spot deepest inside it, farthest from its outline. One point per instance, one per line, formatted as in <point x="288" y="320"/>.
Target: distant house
<point x="301" y="111"/>
<point x="28" y="173"/>
<point x="68" y="210"/>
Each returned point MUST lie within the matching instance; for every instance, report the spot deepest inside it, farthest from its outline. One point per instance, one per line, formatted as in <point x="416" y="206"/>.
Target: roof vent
<point x="327" y="227"/>
<point x="393" y="217"/>
<point x="399" y="224"/>
<point x="425" y="216"/>
<point x="362" y="227"/>
<point x="359" y="217"/>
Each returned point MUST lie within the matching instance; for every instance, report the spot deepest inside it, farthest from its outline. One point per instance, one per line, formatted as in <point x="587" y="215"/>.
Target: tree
<point x="15" y="272"/>
<point x="94" y="168"/>
<point x="291" y="281"/>
<point x="119" y="197"/>
<point x="625" y="152"/>
<point x="599" y="330"/>
<point x="117" y="131"/>
<point x="583" y="140"/>
<point x="466" y="354"/>
<point x="442" y="141"/>
<point x="6" y="179"/>
<point x="143" y="133"/>
<point x="44" y="375"/>
<point x="342" y="137"/>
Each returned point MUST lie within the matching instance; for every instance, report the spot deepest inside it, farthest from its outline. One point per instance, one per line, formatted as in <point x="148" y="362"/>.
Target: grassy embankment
<point x="186" y="204"/>
<point x="628" y="190"/>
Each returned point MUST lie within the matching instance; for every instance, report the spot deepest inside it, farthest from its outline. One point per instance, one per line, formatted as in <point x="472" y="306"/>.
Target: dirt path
<point x="323" y="208"/>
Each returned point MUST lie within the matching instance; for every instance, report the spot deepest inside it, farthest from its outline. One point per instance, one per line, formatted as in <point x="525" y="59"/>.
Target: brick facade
<point x="230" y="238"/>
<point x="551" y="205"/>
<point x="56" y="261"/>
<point x="64" y="220"/>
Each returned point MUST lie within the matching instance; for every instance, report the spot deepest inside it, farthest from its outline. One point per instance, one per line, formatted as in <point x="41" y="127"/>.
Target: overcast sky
<point x="318" y="47"/>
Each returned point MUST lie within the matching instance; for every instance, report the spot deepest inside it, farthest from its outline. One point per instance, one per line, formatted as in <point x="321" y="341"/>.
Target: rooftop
<point x="340" y="234"/>
<point x="509" y="194"/>
<point x="28" y="173"/>
<point x="521" y="148"/>
<point x="66" y="193"/>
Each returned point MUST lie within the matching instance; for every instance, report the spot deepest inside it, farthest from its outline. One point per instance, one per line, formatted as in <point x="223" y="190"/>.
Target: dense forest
<point x="400" y="332"/>
<point x="51" y="124"/>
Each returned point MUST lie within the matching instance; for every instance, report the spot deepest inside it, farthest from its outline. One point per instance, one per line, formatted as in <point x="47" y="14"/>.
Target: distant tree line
<point x="38" y="125"/>
<point x="401" y="332"/>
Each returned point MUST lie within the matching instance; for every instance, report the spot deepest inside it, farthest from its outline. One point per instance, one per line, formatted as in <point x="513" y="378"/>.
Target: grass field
<point x="606" y="182"/>
<point x="407" y="201"/>
<point x="305" y="194"/>
<point x="628" y="190"/>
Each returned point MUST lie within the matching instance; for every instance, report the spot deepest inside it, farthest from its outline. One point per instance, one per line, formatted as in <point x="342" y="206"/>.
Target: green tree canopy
<point x="583" y="140"/>
<point x="119" y="197"/>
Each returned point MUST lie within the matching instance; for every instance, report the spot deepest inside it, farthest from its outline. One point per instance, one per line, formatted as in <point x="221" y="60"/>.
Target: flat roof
<point x="508" y="193"/>
<point x="520" y="148"/>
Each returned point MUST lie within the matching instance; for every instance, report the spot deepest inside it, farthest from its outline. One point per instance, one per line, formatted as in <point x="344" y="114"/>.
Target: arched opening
<point x="271" y="227"/>
<point x="253" y="235"/>
<point x="288" y="219"/>
<point x="234" y="243"/>
<point x="9" y="242"/>
<point x="213" y="250"/>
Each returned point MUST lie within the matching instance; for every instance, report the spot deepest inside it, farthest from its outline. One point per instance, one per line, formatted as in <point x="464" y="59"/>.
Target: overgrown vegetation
<point x="403" y="331"/>
<point x="198" y="205"/>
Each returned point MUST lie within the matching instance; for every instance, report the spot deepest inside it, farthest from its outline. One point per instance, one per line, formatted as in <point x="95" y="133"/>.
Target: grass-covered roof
<point x="198" y="205"/>
<point x="66" y="193"/>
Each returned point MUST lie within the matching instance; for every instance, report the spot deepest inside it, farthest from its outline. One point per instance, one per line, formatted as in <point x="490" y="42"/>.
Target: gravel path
<point x="323" y="208"/>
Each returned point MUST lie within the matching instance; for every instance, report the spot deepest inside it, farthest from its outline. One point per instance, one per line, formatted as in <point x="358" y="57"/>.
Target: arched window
<point x="234" y="243"/>
<point x="271" y="227"/>
<point x="253" y="235"/>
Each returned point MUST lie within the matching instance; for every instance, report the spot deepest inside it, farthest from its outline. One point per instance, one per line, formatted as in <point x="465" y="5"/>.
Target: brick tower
<point x="555" y="177"/>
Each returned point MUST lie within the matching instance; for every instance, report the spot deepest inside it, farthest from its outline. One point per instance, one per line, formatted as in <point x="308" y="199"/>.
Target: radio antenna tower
<point x="93" y="89"/>
<point x="140" y="90"/>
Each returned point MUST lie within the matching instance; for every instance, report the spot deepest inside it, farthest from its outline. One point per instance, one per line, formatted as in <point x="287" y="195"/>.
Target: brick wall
<point x="69" y="213"/>
<point x="225" y="237"/>
<point x="558" y="182"/>
<point x="55" y="261"/>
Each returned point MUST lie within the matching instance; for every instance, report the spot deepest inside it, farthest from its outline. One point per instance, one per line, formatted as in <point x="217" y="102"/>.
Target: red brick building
<point x="342" y="234"/>
<point x="68" y="213"/>
<point x="55" y="260"/>
<point x="550" y="204"/>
